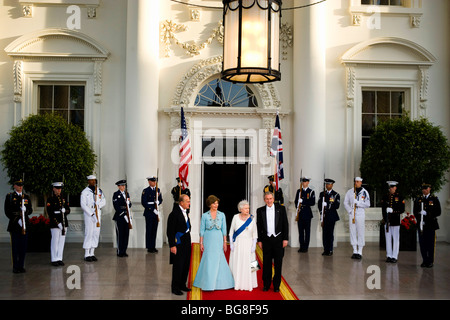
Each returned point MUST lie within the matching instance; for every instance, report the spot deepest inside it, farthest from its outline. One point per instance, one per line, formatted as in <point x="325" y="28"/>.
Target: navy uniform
<point x="151" y="214"/>
<point x="91" y="204"/>
<point x="16" y="226"/>
<point x="122" y="217"/>
<point x="392" y="206"/>
<point x="278" y="194"/>
<point x="57" y="210"/>
<point x="304" y="200"/>
<point x="427" y="237"/>
<point x="331" y="200"/>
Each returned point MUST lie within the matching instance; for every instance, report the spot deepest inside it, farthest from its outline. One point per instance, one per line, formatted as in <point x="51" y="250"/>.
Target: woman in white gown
<point x="243" y="235"/>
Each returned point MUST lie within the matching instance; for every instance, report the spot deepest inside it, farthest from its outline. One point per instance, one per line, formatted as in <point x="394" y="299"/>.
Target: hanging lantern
<point x="251" y="52"/>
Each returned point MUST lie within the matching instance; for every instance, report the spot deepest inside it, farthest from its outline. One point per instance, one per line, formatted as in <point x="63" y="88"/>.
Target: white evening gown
<point x="241" y="256"/>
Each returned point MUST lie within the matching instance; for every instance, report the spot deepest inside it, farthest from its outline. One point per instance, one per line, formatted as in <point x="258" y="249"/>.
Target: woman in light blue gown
<point x="213" y="272"/>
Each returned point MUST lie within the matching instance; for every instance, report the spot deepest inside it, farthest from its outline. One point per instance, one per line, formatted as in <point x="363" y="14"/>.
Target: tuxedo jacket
<point x="281" y="223"/>
<point x="177" y="223"/>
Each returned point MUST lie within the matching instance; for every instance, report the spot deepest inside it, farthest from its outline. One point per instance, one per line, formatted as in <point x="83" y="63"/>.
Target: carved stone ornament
<point x="192" y="81"/>
<point x="168" y="28"/>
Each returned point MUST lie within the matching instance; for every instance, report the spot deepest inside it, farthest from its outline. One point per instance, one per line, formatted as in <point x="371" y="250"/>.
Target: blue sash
<point x="242" y="228"/>
<point x="178" y="235"/>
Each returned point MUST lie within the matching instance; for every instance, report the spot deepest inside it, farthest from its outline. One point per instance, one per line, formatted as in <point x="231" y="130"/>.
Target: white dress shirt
<point x="270" y="214"/>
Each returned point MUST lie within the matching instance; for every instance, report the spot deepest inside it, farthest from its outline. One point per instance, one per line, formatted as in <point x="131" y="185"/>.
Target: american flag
<point x="276" y="150"/>
<point x="185" y="153"/>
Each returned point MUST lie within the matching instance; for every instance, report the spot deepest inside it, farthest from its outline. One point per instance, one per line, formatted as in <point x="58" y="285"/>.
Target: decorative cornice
<point x="426" y="58"/>
<point x="17" y="48"/>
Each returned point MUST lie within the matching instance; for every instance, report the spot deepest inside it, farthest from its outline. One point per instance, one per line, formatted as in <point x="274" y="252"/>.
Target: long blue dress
<point x="213" y="272"/>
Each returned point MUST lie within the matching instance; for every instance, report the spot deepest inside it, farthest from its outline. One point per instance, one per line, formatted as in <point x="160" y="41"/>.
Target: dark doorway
<point x="228" y="182"/>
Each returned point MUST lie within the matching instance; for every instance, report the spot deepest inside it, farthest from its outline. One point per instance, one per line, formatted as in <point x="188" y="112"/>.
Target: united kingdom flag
<point x="276" y="150"/>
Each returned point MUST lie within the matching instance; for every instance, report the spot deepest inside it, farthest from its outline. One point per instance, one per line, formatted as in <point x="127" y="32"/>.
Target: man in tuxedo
<point x="273" y="234"/>
<point x="179" y="236"/>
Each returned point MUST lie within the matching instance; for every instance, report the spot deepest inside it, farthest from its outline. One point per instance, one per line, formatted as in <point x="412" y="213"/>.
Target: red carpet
<point x="285" y="293"/>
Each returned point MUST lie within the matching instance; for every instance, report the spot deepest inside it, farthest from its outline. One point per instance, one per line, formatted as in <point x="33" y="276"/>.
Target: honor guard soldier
<point x="122" y="217"/>
<point x="356" y="201"/>
<point x="328" y="203"/>
<point x="92" y="201"/>
<point x="17" y="209"/>
<point x="278" y="194"/>
<point x="151" y="199"/>
<point x="392" y="206"/>
<point x="426" y="210"/>
<point x="177" y="191"/>
<point x="305" y="198"/>
<point x="57" y="210"/>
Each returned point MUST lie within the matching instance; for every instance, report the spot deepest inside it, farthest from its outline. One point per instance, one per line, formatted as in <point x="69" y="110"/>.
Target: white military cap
<point x="91" y="177"/>
<point x="392" y="183"/>
<point x="57" y="184"/>
<point x="358" y="179"/>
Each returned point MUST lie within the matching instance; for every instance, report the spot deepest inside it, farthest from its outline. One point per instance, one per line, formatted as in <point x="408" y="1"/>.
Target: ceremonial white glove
<point x="423" y="212"/>
<point x="60" y="226"/>
<point x="156" y="212"/>
<point x="94" y="218"/>
<point x="324" y="204"/>
<point x="128" y="202"/>
<point x="253" y="246"/>
<point x="126" y="218"/>
<point x="20" y="222"/>
<point x="301" y="200"/>
<point x="63" y="210"/>
<point x="389" y="210"/>
<point x="231" y="245"/>
<point x="23" y="208"/>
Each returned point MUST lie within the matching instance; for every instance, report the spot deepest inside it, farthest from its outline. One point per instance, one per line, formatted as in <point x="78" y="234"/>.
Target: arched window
<point x="219" y="93"/>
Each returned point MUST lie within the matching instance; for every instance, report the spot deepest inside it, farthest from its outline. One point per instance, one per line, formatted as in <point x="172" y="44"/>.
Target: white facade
<point x="137" y="78"/>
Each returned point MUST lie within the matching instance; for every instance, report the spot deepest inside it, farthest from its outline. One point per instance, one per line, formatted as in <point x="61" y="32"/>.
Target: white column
<point x="141" y="107"/>
<point x="309" y="88"/>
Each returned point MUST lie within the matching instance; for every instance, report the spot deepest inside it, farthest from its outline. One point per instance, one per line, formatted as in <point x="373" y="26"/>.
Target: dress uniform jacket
<point x="120" y="205"/>
<point x="432" y="206"/>
<point x="397" y="203"/>
<point x="148" y="200"/>
<point x="333" y="200"/>
<point x="13" y="211"/>
<point x="176" y="193"/>
<point x="309" y="200"/>
<point x="54" y="206"/>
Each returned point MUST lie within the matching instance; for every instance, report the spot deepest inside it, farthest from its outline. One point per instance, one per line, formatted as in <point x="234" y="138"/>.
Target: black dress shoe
<point x="60" y="263"/>
<point x="265" y="289"/>
<point x="178" y="292"/>
<point x="389" y="260"/>
<point x="185" y="289"/>
<point x="55" y="264"/>
<point x="276" y="290"/>
<point x="93" y="258"/>
<point x="88" y="259"/>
